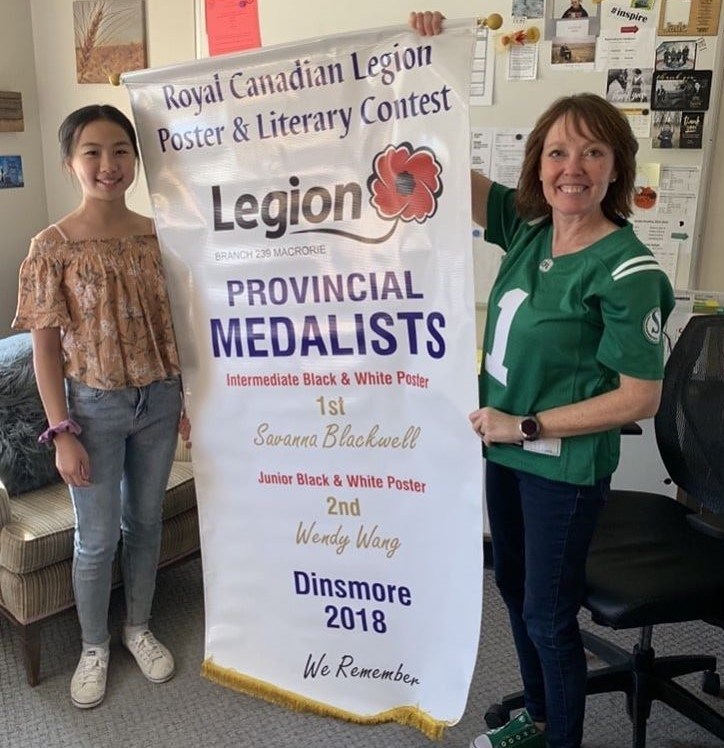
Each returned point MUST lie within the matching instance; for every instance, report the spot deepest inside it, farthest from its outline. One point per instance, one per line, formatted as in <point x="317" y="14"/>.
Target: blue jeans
<point x="130" y="436"/>
<point x="541" y="530"/>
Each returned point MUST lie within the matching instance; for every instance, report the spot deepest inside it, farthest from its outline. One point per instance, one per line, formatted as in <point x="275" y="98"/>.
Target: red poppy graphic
<point x="405" y="183"/>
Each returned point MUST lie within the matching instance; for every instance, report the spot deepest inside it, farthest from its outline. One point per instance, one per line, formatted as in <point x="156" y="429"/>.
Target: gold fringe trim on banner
<point x="404" y="715"/>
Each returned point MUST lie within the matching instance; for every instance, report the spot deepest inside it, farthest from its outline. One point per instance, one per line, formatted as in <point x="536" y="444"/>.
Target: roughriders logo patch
<point x="652" y="325"/>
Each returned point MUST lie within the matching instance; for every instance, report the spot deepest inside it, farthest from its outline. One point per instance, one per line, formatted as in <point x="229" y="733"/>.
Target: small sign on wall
<point x="11" y="172"/>
<point x="11" y="112"/>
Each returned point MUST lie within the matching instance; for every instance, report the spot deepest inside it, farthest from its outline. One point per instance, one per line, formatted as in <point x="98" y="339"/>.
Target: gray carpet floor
<point x="191" y="712"/>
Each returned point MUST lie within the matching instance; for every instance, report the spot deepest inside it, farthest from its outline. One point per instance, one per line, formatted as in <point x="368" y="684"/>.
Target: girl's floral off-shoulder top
<point x="109" y="299"/>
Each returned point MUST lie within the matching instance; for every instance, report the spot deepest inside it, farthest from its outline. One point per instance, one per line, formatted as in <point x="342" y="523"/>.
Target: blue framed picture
<point x="11" y="172"/>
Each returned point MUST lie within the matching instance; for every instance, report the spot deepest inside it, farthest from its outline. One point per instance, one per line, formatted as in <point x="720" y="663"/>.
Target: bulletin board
<point x="661" y="61"/>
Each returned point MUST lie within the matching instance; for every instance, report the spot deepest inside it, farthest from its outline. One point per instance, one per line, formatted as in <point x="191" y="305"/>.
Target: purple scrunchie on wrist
<point x="60" y="428"/>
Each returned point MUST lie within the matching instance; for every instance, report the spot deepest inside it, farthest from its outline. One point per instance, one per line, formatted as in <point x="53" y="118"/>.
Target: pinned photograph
<point x="676" y="55"/>
<point x="569" y="18"/>
<point x="573" y="51"/>
<point x="692" y="130"/>
<point x="666" y="130"/>
<point x="576" y="9"/>
<point x="629" y="85"/>
<point x="681" y="91"/>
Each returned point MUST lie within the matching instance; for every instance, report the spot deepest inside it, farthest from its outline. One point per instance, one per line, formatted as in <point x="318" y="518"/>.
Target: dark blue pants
<point x="541" y="530"/>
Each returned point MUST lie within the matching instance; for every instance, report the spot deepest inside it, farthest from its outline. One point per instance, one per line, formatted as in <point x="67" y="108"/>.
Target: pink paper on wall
<point x="232" y="25"/>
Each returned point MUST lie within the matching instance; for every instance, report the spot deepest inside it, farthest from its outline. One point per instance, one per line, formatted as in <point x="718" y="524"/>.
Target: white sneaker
<point x="88" y="685"/>
<point x="155" y="661"/>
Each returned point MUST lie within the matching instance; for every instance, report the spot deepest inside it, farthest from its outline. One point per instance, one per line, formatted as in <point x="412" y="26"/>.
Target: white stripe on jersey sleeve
<point x="644" y="262"/>
<point x="650" y="265"/>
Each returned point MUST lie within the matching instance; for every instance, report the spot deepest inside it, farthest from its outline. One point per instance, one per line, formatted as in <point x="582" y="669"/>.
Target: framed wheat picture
<point x="110" y="39"/>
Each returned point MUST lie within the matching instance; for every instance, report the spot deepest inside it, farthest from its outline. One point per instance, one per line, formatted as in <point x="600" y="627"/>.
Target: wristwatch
<point x="529" y="428"/>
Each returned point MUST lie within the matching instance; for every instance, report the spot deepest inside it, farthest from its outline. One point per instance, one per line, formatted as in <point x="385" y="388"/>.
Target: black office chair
<point x="652" y="559"/>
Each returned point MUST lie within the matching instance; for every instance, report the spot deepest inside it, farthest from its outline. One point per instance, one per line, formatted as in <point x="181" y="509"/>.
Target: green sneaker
<point x="519" y="732"/>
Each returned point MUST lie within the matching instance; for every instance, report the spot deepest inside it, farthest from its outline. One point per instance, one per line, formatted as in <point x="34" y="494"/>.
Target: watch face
<point x="529" y="427"/>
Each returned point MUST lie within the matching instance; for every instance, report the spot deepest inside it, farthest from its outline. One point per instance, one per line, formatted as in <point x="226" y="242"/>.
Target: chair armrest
<point x="710" y="524"/>
<point x="5" y="513"/>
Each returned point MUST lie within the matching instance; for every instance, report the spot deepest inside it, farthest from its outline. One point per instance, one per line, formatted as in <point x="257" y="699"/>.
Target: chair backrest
<point x="690" y="421"/>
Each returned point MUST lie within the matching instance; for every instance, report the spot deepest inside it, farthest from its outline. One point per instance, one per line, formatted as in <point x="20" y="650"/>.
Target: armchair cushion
<point x="24" y="463"/>
<point x="41" y="531"/>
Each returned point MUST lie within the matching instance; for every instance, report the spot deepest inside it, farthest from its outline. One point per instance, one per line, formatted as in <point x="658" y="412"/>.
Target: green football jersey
<point x="561" y="330"/>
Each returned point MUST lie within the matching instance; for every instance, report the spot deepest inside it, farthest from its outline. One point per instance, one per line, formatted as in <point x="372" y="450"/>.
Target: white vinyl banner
<point x="313" y="206"/>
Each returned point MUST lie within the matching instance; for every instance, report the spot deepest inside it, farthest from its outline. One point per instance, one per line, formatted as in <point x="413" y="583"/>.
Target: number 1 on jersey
<point x="509" y="304"/>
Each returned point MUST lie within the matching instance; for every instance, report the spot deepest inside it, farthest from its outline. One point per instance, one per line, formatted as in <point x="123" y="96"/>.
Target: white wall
<point x="23" y="212"/>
